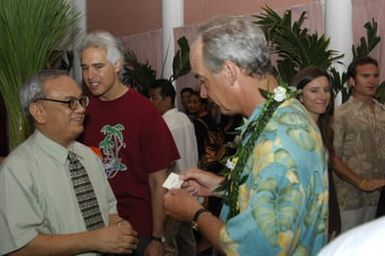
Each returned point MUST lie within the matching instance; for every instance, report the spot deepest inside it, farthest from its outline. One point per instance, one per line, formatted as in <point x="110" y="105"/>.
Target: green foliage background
<point x="33" y="33"/>
<point x="298" y="48"/>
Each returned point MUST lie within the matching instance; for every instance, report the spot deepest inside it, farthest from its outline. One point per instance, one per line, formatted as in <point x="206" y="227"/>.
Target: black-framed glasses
<point x="72" y="102"/>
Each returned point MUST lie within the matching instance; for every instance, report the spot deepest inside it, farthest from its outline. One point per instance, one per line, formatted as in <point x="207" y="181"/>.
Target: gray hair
<point x="103" y="40"/>
<point x="237" y="39"/>
<point x="32" y="88"/>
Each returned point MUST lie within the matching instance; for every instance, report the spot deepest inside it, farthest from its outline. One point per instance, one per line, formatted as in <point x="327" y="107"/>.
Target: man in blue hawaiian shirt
<point x="276" y="185"/>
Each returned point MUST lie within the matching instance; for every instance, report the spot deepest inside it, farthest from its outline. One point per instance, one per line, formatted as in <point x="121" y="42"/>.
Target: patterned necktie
<point x="85" y="194"/>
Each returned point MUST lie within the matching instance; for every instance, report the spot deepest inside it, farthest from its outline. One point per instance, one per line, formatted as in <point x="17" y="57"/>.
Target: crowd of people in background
<point x="313" y="172"/>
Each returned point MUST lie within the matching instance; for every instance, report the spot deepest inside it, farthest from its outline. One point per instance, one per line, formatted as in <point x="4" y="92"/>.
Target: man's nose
<point x="91" y="72"/>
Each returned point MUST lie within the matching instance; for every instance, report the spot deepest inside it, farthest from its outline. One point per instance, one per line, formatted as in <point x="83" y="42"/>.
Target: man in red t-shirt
<point x="136" y="144"/>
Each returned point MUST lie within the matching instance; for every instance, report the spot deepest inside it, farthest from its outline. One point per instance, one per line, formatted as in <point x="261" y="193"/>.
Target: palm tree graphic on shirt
<point x="110" y="146"/>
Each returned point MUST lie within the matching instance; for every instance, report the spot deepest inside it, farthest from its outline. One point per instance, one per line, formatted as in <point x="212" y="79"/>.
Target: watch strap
<point x="196" y="217"/>
<point x="159" y="239"/>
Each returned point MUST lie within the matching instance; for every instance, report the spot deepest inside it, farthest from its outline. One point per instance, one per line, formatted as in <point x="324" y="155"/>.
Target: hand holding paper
<point x="172" y="181"/>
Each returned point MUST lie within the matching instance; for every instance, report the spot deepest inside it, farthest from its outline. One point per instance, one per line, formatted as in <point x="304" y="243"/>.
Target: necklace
<point x="235" y="165"/>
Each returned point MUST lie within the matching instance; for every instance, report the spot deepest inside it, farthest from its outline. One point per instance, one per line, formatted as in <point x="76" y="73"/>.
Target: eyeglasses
<point x="72" y="102"/>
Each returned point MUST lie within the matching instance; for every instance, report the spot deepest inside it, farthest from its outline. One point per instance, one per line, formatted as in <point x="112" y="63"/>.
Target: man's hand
<point x="371" y="185"/>
<point x="201" y="183"/>
<point x="154" y="248"/>
<point x="120" y="238"/>
<point x="180" y="205"/>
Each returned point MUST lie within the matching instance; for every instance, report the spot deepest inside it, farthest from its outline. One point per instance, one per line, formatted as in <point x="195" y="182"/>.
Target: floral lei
<point x="233" y="171"/>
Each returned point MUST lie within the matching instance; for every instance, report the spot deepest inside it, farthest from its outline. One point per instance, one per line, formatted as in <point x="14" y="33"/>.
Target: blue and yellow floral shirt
<point x="284" y="201"/>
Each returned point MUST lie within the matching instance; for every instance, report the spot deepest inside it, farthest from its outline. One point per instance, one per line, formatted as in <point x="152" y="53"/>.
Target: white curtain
<point x="147" y="48"/>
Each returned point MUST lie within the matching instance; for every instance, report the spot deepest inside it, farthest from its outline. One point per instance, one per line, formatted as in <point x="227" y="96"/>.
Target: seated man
<point x="54" y="195"/>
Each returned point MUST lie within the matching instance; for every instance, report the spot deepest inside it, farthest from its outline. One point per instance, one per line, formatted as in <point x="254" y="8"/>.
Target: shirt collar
<point x="361" y="104"/>
<point x="51" y="147"/>
<point x="169" y="111"/>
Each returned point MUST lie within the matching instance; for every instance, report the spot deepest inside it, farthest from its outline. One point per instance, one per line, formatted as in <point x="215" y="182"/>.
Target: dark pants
<point x="142" y="245"/>
<point x="381" y="204"/>
<point x="334" y="209"/>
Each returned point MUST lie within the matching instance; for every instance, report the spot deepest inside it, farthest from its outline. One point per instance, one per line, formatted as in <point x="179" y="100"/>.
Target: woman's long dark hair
<point x="299" y="81"/>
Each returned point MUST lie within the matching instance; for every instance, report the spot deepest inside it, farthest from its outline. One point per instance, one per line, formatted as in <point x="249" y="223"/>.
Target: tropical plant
<point x="33" y="33"/>
<point x="136" y="74"/>
<point x="296" y="46"/>
<point x="141" y="75"/>
<point x="367" y="44"/>
<point x="181" y="61"/>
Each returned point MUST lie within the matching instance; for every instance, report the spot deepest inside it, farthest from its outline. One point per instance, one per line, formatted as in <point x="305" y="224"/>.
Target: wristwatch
<point x="197" y="214"/>
<point x="161" y="239"/>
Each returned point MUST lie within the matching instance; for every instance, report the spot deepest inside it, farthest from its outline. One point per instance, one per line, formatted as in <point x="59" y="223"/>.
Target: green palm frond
<point x="367" y="44"/>
<point x="181" y="61"/>
<point x="32" y="31"/>
<point x="296" y="46"/>
<point x="141" y="75"/>
<point x="338" y="81"/>
<point x="136" y="74"/>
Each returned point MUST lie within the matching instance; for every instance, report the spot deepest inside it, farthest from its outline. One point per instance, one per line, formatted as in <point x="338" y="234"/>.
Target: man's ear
<point x="38" y="113"/>
<point x="230" y="71"/>
<point x="351" y="82"/>
<point x="118" y="65"/>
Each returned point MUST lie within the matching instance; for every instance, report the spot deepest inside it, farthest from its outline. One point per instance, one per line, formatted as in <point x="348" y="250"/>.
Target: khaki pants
<point x="354" y="218"/>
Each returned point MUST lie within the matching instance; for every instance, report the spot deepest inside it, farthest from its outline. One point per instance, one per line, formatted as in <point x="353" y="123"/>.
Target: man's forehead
<point x="154" y="90"/>
<point x="97" y="53"/>
<point x="58" y="84"/>
<point x="367" y="68"/>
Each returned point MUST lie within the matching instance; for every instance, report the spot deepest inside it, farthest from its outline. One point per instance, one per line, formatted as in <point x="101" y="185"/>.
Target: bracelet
<point x="196" y="217"/>
<point x="362" y="182"/>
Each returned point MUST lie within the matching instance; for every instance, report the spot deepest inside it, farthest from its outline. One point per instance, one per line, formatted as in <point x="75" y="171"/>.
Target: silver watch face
<point x="161" y="239"/>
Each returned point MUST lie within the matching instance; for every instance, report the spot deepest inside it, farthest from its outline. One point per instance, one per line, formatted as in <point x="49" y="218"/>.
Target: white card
<point x="172" y="181"/>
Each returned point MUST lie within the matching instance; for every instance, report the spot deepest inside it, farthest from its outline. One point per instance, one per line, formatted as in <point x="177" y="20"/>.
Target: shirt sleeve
<point x="158" y="146"/>
<point x="20" y="214"/>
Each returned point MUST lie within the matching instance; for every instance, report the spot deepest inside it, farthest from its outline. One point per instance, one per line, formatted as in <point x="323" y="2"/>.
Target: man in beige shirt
<point x="359" y="139"/>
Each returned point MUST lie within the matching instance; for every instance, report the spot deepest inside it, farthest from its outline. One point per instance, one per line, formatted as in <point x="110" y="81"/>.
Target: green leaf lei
<point x="233" y="171"/>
